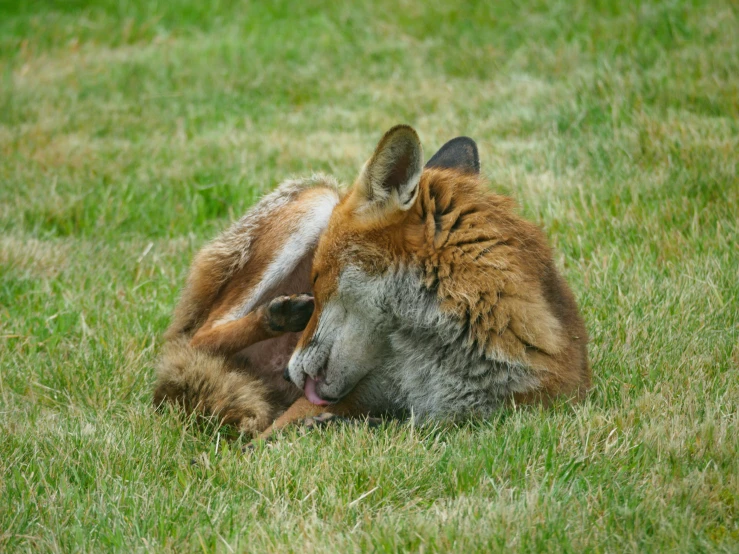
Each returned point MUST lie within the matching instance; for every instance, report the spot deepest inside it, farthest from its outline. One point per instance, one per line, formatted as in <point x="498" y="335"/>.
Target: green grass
<point x="132" y="131"/>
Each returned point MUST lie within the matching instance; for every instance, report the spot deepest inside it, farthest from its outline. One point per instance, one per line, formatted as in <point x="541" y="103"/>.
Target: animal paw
<point x="323" y="420"/>
<point x="290" y="313"/>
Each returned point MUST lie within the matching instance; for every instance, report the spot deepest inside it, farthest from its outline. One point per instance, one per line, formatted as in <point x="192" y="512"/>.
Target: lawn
<point x="133" y="131"/>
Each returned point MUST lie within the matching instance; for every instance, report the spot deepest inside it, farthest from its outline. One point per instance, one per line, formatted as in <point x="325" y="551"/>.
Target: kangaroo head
<point x="363" y="249"/>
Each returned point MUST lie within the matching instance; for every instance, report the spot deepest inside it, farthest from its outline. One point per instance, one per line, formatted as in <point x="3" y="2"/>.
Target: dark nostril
<point x="286" y="375"/>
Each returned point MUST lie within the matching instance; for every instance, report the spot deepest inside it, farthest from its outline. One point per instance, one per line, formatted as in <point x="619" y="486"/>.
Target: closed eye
<point x="315" y="278"/>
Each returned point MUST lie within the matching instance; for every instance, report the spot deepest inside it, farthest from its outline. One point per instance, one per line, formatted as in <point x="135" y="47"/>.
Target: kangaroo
<point x="433" y="297"/>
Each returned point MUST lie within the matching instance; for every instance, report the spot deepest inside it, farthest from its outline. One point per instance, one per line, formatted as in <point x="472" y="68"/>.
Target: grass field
<point x="132" y="131"/>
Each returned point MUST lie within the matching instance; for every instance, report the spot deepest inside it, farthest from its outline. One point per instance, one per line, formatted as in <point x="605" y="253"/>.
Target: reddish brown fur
<point x="489" y="268"/>
<point x="201" y="368"/>
<point x="518" y="306"/>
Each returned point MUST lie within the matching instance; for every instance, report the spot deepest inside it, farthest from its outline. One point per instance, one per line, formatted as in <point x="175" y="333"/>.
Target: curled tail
<point x="211" y="385"/>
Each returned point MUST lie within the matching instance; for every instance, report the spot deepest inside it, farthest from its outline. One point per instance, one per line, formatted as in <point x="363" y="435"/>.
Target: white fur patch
<point x="307" y="230"/>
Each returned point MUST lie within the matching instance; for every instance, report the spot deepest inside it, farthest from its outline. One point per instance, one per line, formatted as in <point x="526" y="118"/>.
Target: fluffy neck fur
<point x="476" y="292"/>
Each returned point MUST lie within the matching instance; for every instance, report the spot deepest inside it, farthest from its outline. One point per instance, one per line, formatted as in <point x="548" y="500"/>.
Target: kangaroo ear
<point x="459" y="153"/>
<point x="391" y="176"/>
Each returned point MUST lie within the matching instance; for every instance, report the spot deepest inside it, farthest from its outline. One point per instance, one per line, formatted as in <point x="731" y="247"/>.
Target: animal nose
<point x="286" y="374"/>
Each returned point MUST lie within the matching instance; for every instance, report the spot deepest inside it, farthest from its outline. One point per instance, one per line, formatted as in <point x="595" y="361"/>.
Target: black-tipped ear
<point x="459" y="153"/>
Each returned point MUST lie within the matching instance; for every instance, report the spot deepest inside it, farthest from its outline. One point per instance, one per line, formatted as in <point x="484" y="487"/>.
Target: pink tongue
<point x="310" y="393"/>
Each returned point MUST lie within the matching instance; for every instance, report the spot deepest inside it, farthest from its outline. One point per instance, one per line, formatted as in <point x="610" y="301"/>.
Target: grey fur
<point x="421" y="359"/>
